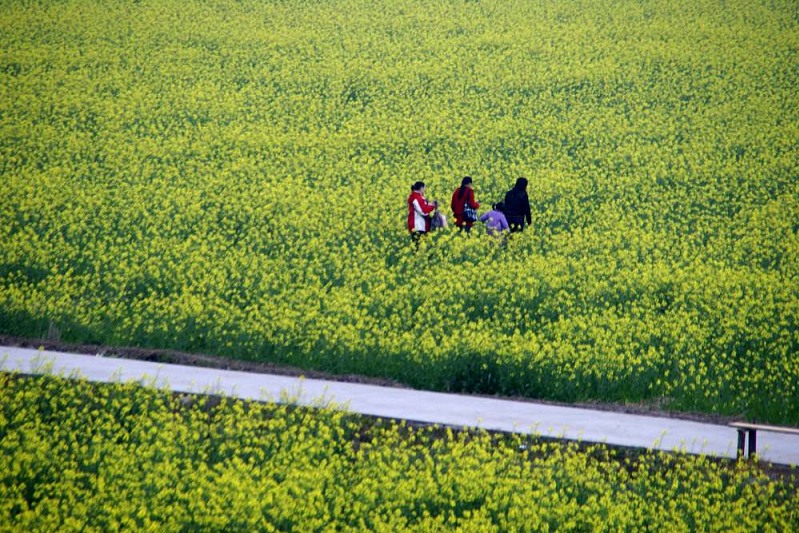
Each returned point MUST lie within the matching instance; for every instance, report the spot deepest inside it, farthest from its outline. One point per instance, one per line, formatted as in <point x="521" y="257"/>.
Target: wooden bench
<point x="745" y="428"/>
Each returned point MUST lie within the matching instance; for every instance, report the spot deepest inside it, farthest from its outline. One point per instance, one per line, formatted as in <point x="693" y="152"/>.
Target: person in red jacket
<point x="462" y="197"/>
<point x="419" y="211"/>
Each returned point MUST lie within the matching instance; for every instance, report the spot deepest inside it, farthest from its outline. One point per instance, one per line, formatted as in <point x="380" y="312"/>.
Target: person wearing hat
<point x="464" y="206"/>
<point x="517" y="206"/>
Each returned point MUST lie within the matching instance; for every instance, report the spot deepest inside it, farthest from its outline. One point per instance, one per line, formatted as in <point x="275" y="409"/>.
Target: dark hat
<point x="521" y="183"/>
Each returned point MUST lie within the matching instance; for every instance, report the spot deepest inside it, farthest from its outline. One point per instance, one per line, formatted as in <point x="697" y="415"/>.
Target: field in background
<point x="229" y="177"/>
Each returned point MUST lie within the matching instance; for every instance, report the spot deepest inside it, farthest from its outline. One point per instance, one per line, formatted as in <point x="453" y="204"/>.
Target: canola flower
<point x="230" y="178"/>
<point x="107" y="457"/>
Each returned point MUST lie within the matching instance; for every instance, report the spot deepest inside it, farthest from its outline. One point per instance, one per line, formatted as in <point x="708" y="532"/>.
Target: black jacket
<point x="517" y="207"/>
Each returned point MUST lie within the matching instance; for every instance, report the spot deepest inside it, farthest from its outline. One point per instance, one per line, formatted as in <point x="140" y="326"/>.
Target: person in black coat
<point x="517" y="206"/>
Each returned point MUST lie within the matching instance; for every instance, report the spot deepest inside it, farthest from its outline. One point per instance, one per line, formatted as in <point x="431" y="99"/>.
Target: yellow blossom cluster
<point x="77" y="456"/>
<point x="231" y="177"/>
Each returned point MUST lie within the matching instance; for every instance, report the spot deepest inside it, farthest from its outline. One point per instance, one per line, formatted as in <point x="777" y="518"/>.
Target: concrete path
<point x="616" y="429"/>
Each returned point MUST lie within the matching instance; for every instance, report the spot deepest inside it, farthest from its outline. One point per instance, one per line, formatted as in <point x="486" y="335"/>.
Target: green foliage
<point x="230" y="177"/>
<point x="80" y="456"/>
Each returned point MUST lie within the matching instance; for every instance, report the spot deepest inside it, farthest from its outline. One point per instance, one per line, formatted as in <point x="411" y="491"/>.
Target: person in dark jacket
<point x="517" y="206"/>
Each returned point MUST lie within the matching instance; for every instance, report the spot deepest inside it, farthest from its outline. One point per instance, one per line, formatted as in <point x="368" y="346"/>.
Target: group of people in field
<point x="509" y="215"/>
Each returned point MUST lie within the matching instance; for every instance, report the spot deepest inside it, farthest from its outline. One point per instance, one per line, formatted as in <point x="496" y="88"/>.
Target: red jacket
<point x="418" y="209"/>
<point x="457" y="205"/>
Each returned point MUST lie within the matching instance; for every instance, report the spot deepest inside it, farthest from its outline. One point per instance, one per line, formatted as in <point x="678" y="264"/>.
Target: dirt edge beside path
<point x="224" y="363"/>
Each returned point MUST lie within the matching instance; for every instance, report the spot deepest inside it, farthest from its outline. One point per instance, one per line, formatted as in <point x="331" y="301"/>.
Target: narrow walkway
<point x="616" y="429"/>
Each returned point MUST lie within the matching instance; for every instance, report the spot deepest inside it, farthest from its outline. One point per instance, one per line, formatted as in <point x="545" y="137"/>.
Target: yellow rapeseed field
<point x="76" y="456"/>
<point x="230" y="177"/>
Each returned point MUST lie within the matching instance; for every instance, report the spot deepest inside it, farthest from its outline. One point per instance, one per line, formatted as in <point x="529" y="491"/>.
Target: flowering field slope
<point x="77" y="456"/>
<point x="230" y="177"/>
